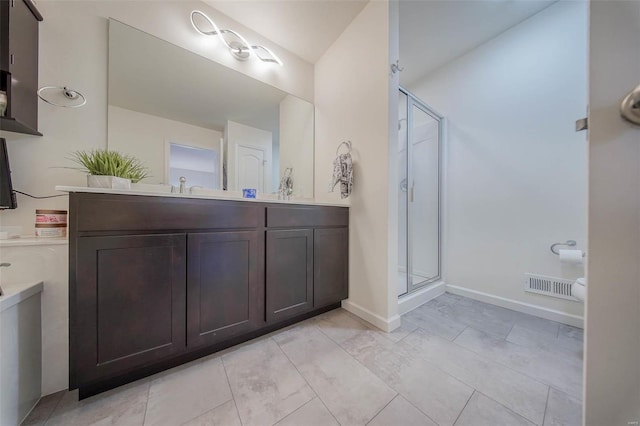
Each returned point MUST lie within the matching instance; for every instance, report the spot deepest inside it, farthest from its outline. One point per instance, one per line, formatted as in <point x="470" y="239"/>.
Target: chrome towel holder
<point x="568" y="243"/>
<point x="67" y="94"/>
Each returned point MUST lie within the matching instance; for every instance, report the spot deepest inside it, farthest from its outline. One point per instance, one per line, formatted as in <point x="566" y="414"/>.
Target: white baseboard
<point x="409" y="302"/>
<point x="382" y="323"/>
<point x="527" y="308"/>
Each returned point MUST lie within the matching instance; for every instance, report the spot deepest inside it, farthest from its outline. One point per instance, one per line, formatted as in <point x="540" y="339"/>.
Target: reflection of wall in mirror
<point x="199" y="166"/>
<point x="296" y="143"/>
<point x="249" y="157"/>
<point x="143" y="135"/>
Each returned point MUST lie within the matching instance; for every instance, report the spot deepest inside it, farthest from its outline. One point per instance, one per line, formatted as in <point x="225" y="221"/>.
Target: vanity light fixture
<point x="239" y="48"/>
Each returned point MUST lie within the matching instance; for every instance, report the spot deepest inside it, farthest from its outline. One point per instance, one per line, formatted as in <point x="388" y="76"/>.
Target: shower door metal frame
<point x="414" y="101"/>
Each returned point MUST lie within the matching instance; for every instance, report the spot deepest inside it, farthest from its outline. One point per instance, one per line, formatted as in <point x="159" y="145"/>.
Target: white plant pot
<point x="111" y="182"/>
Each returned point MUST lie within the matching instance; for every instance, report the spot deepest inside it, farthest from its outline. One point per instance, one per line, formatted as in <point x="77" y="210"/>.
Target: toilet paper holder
<point x="568" y="243"/>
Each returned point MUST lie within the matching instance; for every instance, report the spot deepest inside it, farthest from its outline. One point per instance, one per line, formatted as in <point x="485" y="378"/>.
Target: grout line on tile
<point x="546" y="406"/>
<point x="306" y="381"/>
<point x="419" y="410"/>
<point x="508" y="409"/>
<point x="510" y="330"/>
<point x="236" y="407"/>
<point x="233" y="398"/>
<point x="146" y="403"/>
<point x="458" y="335"/>
<point x="465" y="406"/>
<point x="296" y="410"/>
<point x="382" y="409"/>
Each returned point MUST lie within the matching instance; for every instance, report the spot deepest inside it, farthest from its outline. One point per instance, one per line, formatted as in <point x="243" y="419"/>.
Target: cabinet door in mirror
<point x="130" y="302"/>
<point x="160" y="93"/>
<point x="289" y="289"/>
<point x="225" y="298"/>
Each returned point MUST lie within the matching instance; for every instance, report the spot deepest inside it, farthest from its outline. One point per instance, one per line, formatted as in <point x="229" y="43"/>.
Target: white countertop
<point x="12" y="294"/>
<point x="211" y="196"/>
<point x="33" y="241"/>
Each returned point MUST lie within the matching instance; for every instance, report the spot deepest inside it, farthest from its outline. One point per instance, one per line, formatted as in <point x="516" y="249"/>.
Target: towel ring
<point x="346" y="143"/>
<point x="69" y="94"/>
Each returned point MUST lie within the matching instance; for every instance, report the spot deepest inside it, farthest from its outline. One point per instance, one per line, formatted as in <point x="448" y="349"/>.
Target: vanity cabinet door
<point x="289" y="282"/>
<point x="330" y="266"/>
<point x="224" y="295"/>
<point x="129" y="303"/>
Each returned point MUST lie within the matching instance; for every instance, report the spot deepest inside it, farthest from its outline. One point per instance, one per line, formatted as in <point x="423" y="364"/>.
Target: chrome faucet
<point x="183" y="182"/>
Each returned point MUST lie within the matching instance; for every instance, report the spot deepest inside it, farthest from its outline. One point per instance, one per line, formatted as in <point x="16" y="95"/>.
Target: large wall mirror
<point x="185" y="115"/>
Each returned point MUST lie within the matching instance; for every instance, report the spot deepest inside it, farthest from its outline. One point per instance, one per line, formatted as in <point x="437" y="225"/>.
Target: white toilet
<point x="579" y="289"/>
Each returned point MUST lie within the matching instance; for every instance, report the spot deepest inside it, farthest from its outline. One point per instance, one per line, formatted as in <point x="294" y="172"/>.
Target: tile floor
<point x="454" y="361"/>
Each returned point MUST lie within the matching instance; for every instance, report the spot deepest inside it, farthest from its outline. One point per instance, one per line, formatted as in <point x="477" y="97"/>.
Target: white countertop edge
<point x="195" y="196"/>
<point x="33" y="241"/>
<point x="18" y="293"/>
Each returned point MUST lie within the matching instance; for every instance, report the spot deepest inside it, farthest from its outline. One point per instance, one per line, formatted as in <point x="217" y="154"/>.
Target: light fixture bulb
<point x="240" y="49"/>
<point x="215" y="31"/>
<point x="272" y="57"/>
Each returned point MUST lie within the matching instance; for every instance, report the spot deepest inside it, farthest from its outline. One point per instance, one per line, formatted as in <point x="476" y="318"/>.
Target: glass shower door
<point x="419" y="200"/>
<point x="423" y="196"/>
<point x="402" y="158"/>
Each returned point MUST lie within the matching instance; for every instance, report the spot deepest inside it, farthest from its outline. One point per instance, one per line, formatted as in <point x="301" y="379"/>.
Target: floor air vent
<point x="549" y="286"/>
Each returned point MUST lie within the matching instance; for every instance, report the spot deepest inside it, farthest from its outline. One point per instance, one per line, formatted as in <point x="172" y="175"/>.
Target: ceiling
<point x="305" y="27"/>
<point x="433" y="33"/>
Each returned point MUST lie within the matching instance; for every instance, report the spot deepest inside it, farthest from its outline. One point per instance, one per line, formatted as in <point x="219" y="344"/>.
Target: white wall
<point x="612" y="370"/>
<point x="352" y="103"/>
<point x="296" y="144"/>
<point x="145" y="136"/>
<point x="516" y="169"/>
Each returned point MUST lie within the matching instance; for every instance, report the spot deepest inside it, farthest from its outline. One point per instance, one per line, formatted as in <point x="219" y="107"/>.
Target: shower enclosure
<point x="419" y="178"/>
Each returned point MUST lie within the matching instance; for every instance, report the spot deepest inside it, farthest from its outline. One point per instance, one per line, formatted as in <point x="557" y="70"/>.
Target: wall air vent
<point x="549" y="286"/>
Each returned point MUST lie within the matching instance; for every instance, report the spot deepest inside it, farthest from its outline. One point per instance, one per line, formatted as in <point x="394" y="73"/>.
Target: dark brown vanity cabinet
<point x="158" y="281"/>
<point x="289" y="273"/>
<point x="224" y="295"/>
<point x="130" y="307"/>
<point x="19" y="65"/>
<point x="331" y="265"/>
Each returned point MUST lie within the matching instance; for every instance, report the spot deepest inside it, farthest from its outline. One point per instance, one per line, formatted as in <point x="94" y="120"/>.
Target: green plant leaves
<point x="102" y="162"/>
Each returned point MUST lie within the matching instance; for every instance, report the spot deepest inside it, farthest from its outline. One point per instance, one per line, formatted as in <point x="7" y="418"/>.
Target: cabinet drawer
<point x="307" y="216"/>
<point x="98" y="212"/>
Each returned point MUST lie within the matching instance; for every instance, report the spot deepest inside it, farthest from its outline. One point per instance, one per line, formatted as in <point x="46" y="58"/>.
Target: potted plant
<point x="110" y="169"/>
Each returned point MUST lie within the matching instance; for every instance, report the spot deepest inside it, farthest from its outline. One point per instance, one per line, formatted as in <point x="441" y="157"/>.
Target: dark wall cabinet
<point x="158" y="281"/>
<point x="19" y="65"/>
